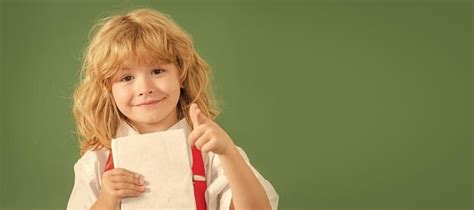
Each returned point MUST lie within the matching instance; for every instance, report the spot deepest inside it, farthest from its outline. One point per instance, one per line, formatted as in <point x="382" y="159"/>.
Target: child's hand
<point x="207" y="134"/>
<point x="117" y="184"/>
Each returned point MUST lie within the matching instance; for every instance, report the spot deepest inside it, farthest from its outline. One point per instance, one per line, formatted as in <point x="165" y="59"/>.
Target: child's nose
<point x="145" y="87"/>
<point x="144" y="92"/>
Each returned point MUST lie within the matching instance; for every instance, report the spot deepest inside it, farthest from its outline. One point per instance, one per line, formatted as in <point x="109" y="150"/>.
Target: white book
<point x="164" y="159"/>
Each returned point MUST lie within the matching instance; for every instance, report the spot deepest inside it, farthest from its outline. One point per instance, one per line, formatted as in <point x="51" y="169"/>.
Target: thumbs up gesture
<point x="207" y="135"/>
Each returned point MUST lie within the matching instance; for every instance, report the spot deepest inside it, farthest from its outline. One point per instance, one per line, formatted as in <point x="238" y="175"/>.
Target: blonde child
<point x="141" y="74"/>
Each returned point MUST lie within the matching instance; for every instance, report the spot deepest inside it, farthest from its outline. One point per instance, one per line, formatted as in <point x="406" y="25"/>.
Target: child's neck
<point x="162" y="125"/>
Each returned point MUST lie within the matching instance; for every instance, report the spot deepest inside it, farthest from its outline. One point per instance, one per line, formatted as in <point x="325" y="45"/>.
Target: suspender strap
<point x="199" y="177"/>
<point x="110" y="163"/>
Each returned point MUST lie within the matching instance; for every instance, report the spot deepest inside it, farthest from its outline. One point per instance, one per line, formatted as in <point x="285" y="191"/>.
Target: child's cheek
<point x="123" y="96"/>
<point x="170" y="87"/>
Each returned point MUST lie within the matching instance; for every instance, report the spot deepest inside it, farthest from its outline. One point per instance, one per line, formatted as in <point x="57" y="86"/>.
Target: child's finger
<point x="125" y="193"/>
<point x="202" y="140"/>
<point x="208" y="146"/>
<point x="128" y="179"/>
<point x="194" y="114"/>
<point x="195" y="134"/>
<point x="197" y="117"/>
<point x="123" y="172"/>
<point x="128" y="186"/>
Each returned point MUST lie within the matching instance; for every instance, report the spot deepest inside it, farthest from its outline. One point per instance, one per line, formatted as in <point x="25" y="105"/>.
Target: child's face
<point x="147" y="95"/>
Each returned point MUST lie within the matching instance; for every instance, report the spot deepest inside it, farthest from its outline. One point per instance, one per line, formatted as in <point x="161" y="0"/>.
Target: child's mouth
<point x="150" y="103"/>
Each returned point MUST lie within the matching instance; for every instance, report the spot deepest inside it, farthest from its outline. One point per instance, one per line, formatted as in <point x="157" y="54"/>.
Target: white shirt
<point x="89" y="168"/>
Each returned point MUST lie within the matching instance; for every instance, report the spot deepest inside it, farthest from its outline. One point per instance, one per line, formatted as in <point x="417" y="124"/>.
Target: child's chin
<point x="152" y="120"/>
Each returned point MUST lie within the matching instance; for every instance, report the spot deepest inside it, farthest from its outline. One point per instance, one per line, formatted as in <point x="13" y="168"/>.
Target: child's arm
<point x="247" y="191"/>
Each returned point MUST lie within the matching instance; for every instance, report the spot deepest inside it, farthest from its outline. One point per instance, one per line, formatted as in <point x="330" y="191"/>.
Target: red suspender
<point x="199" y="177"/>
<point x="110" y="163"/>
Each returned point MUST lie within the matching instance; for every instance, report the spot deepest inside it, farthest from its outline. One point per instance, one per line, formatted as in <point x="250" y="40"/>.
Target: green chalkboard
<point x="356" y="104"/>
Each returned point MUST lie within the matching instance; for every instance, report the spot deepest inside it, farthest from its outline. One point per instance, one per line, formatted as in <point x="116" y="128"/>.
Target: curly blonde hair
<point x="145" y="35"/>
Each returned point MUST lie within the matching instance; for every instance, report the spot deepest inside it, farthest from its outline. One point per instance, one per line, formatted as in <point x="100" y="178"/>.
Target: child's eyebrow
<point x="125" y="69"/>
<point x="158" y="65"/>
<point x="153" y="65"/>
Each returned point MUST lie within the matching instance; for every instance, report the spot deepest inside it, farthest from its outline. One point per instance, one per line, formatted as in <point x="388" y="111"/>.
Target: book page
<point x="163" y="158"/>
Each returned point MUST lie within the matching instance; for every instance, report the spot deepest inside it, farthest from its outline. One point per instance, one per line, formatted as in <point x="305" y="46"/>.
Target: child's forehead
<point x="131" y="64"/>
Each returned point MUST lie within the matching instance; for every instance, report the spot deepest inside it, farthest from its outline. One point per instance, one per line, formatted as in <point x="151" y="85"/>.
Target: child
<point x="141" y="74"/>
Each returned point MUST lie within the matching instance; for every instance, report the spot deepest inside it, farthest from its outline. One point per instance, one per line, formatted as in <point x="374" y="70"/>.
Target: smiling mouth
<point x="149" y="103"/>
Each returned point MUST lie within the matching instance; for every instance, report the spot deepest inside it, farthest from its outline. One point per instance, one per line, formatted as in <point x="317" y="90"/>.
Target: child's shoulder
<point x="94" y="155"/>
<point x="92" y="161"/>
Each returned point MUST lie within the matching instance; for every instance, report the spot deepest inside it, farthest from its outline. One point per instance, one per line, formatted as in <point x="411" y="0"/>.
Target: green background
<point x="339" y="104"/>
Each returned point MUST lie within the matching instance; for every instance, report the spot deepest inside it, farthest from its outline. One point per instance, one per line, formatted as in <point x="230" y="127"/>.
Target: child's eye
<point x="157" y="71"/>
<point x="126" y="79"/>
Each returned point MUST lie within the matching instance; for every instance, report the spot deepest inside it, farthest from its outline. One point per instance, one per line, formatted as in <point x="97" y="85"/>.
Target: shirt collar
<point x="125" y="129"/>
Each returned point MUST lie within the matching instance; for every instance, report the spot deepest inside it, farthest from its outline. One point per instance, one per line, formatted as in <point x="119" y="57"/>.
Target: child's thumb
<point x="194" y="113"/>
